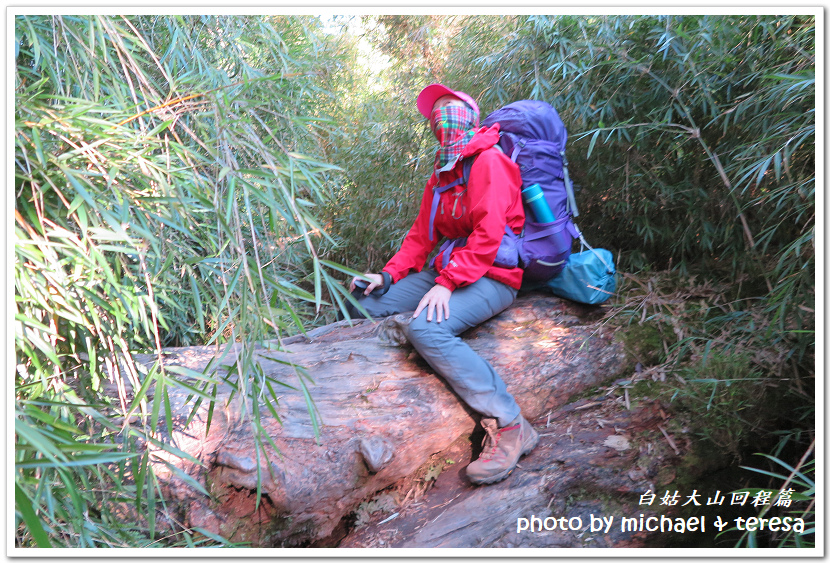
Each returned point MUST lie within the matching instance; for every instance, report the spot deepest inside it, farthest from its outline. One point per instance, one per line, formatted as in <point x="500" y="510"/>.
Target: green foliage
<point x="700" y="118"/>
<point x="166" y="189"/>
<point x="175" y="184"/>
<point x="729" y="396"/>
<point x="740" y="386"/>
<point x="717" y="358"/>
<point x="799" y="482"/>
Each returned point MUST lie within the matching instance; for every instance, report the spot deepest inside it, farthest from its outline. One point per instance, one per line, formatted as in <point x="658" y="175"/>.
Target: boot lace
<point x="490" y="443"/>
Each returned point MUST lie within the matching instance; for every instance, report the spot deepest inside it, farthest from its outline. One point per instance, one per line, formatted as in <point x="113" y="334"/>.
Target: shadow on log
<point x="383" y="413"/>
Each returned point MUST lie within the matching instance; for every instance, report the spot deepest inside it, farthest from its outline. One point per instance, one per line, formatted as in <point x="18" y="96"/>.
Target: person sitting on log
<point x="462" y="287"/>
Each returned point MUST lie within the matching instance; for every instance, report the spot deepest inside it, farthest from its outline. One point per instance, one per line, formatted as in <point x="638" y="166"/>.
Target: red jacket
<point x="491" y="200"/>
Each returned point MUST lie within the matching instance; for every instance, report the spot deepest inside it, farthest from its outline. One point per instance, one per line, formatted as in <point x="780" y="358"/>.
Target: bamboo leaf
<point x="27" y="511"/>
<point x="592" y="143"/>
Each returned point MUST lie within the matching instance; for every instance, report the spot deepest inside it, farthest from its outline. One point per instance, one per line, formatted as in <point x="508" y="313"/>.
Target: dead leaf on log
<point x="619" y="443"/>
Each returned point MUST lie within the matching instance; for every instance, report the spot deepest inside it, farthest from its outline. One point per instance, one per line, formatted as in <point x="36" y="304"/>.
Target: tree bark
<point x="383" y="412"/>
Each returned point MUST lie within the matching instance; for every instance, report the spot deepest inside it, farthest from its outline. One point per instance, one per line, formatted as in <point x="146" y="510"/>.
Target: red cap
<point x="430" y="94"/>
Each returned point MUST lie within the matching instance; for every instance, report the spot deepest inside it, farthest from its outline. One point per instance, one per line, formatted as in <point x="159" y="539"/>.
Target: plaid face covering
<point x="453" y="127"/>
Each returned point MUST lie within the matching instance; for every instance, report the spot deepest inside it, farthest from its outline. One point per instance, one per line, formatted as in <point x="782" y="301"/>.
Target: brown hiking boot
<point x="502" y="449"/>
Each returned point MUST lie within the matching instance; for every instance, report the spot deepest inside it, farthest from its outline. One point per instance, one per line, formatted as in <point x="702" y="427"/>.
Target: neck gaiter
<point x="453" y="127"/>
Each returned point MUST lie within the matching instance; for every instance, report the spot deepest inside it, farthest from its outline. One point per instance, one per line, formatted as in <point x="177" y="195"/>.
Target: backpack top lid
<point x="530" y="118"/>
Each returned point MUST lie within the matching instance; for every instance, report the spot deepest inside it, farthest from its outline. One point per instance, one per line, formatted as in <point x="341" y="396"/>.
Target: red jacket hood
<point x="484" y="138"/>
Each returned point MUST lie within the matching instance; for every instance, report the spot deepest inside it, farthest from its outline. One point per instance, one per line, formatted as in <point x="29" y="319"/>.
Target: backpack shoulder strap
<point x="436" y="197"/>
<point x="466" y="168"/>
<point x="468" y="163"/>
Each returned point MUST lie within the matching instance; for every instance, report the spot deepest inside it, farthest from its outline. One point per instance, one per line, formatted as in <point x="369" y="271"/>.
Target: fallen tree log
<point x="596" y="456"/>
<point x="383" y="412"/>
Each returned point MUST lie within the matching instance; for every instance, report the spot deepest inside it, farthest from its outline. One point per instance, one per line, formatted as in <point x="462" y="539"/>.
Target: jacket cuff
<point x="441" y="280"/>
<point x="396" y="277"/>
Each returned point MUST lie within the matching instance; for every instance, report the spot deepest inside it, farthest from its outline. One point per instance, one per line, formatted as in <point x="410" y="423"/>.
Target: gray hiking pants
<point x="470" y="375"/>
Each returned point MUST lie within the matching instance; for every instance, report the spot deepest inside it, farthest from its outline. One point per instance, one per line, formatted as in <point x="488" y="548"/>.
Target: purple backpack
<point x="533" y="136"/>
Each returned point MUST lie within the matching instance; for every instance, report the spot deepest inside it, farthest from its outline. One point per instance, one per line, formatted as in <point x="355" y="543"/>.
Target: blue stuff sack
<point x="589" y="276"/>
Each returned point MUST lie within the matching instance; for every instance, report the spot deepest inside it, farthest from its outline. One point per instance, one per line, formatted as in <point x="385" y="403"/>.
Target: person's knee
<point x="426" y="333"/>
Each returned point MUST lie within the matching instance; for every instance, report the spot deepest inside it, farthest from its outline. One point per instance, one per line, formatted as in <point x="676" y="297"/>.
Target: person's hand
<point x="436" y="300"/>
<point x="376" y="281"/>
